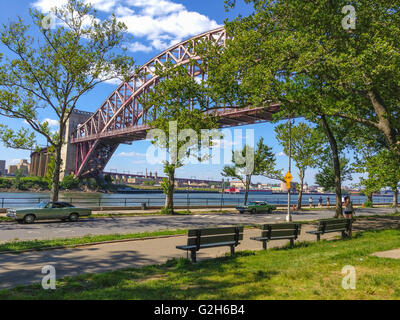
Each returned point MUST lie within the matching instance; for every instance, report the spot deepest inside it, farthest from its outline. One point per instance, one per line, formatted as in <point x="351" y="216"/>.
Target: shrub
<point x="368" y="204"/>
<point x="69" y="182"/>
<point x="5" y="183"/>
<point x="35" y="182"/>
<point x="166" y="211"/>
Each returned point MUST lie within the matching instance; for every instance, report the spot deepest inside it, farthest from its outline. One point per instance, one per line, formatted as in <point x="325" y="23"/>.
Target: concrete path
<point x="392" y="254"/>
<point x="122" y="225"/>
<point x="25" y="268"/>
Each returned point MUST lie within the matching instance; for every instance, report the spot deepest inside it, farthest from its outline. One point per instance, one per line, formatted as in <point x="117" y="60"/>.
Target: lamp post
<point x="222" y="191"/>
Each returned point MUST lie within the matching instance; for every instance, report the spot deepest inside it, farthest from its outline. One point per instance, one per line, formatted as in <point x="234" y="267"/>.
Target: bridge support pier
<point x="68" y="151"/>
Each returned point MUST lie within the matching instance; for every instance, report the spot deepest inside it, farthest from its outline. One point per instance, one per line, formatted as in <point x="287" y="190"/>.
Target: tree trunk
<point x="300" y="196"/>
<point x="169" y="194"/>
<point x="336" y="165"/>
<point x="55" y="186"/>
<point x="385" y="125"/>
<point x="369" y="197"/>
<point x="55" y="181"/>
<point x="395" y="197"/>
<point x="247" y="185"/>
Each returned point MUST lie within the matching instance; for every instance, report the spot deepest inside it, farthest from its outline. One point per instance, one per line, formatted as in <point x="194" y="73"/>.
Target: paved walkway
<point x="25" y="268"/>
<point x="392" y="254"/>
<point x="123" y="225"/>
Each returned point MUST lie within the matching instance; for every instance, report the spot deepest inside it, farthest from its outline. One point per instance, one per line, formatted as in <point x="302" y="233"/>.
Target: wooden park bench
<point x="278" y="232"/>
<point x="333" y="225"/>
<point x="212" y="237"/>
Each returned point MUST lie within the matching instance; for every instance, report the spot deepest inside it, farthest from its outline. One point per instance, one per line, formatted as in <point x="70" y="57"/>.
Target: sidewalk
<point x="25" y="268"/>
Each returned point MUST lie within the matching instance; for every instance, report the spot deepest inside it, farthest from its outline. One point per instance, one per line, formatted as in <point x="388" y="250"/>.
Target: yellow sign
<point x="287" y="185"/>
<point x="288" y="177"/>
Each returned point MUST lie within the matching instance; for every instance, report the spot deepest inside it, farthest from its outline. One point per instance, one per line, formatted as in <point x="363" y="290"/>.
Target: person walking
<point x="348" y="208"/>
<point x="320" y="202"/>
<point x="310" y="201"/>
<point x="328" y="202"/>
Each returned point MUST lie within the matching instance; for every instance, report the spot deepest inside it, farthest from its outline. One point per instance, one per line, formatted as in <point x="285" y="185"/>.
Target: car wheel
<point x="73" y="217"/>
<point x="253" y="211"/>
<point x="241" y="212"/>
<point x="29" y="218"/>
<point x="269" y="210"/>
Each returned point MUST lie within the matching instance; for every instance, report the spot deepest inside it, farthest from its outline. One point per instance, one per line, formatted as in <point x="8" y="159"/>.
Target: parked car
<point x="256" y="207"/>
<point x="48" y="210"/>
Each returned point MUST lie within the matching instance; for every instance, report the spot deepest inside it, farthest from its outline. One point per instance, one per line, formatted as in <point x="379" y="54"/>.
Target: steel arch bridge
<point x="122" y="118"/>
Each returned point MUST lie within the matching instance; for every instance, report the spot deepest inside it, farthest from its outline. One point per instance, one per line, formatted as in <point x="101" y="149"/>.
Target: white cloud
<point x="52" y="123"/>
<point x="158" y="24"/>
<point x="102" y="5"/>
<point x="280" y="154"/>
<point x="139" y="47"/>
<point x="130" y="154"/>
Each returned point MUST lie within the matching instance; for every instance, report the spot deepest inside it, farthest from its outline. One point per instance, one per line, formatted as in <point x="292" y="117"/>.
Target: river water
<point x="27" y="199"/>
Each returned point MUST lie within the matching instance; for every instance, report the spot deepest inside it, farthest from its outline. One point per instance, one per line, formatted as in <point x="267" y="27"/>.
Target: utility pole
<point x="222" y="194"/>
<point x="289" y="214"/>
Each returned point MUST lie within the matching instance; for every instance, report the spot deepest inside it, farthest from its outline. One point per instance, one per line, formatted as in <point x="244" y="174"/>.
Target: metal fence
<point x="179" y="200"/>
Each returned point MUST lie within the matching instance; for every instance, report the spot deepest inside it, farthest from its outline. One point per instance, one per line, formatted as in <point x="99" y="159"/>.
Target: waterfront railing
<point x="188" y="201"/>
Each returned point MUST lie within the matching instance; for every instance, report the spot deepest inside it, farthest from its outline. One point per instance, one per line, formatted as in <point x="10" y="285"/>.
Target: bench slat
<point x="274" y="238"/>
<point x="279" y="226"/>
<point x="214" y="231"/>
<point x="211" y="245"/>
<point x="214" y="239"/>
<point x="278" y="233"/>
<point x="335" y="227"/>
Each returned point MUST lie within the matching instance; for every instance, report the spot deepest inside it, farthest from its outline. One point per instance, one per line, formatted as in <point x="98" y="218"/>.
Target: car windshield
<point x="252" y="203"/>
<point x="42" y="205"/>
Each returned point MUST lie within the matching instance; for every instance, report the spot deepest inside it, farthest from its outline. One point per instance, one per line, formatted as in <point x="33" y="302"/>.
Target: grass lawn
<point x="309" y="271"/>
<point x="15" y="246"/>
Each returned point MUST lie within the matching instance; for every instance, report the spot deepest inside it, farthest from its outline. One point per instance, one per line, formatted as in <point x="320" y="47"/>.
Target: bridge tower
<point x="68" y="151"/>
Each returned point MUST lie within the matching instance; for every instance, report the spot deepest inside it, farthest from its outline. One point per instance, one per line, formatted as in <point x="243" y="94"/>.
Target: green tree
<point x="178" y="106"/>
<point x="17" y="183"/>
<point x="297" y="54"/>
<point x="306" y="146"/>
<point x="249" y="162"/>
<point x="53" y="70"/>
<point x="326" y="177"/>
<point x="383" y="171"/>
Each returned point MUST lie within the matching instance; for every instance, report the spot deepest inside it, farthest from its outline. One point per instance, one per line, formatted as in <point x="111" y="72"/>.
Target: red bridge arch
<point x="121" y="118"/>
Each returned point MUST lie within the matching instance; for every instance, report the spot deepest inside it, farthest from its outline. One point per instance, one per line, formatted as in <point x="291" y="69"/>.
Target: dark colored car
<point x="256" y="207"/>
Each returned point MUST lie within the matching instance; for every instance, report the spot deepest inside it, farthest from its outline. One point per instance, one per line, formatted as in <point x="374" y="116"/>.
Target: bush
<point x="166" y="211"/>
<point x="5" y="183"/>
<point x="69" y="182"/>
<point x="26" y="183"/>
<point x="368" y="204"/>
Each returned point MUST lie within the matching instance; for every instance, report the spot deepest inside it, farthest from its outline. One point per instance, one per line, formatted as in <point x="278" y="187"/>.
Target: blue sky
<point x="154" y="26"/>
